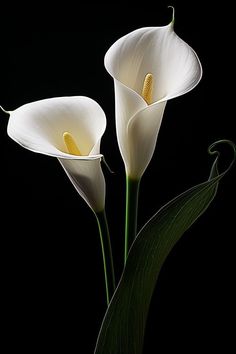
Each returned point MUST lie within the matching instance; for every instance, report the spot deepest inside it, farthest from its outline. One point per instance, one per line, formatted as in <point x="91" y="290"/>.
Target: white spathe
<point x="39" y="126"/>
<point x="176" y="70"/>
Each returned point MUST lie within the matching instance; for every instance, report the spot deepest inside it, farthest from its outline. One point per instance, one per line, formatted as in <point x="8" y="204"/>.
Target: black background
<point x="51" y="273"/>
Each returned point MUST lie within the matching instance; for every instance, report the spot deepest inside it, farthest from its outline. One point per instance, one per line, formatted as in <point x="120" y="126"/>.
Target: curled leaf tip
<point x="213" y="150"/>
<point x="7" y="112"/>
<point x="173" y="14"/>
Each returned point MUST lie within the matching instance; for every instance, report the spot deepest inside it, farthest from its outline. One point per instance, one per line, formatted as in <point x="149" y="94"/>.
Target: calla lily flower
<point x="69" y="128"/>
<point x="149" y="66"/>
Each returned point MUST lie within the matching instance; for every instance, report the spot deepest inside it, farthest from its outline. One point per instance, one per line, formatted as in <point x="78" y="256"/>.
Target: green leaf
<point x="123" y="327"/>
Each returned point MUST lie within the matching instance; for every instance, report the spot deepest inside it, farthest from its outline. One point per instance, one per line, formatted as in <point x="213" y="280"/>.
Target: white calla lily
<point x="149" y="66"/>
<point x="69" y="128"/>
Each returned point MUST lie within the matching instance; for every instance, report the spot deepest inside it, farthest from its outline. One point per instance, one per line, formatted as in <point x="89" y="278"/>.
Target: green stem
<point x="106" y="254"/>
<point x="132" y="193"/>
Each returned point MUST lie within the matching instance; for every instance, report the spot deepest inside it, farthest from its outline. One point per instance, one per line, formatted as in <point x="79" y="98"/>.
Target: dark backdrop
<point x="52" y="281"/>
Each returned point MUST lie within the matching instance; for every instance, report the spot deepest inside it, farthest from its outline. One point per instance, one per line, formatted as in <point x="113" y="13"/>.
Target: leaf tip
<point x="213" y="150"/>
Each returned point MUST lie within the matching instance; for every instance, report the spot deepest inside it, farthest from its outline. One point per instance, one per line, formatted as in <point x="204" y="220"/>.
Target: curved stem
<point x="132" y="193"/>
<point x="109" y="273"/>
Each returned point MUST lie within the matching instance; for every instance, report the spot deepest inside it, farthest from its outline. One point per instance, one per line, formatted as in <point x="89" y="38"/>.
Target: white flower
<point x="149" y="66"/>
<point x="69" y="128"/>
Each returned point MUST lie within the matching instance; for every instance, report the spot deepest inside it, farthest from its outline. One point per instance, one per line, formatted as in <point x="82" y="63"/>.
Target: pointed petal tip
<point x="173" y="14"/>
<point x="7" y="112"/>
<point x="107" y="165"/>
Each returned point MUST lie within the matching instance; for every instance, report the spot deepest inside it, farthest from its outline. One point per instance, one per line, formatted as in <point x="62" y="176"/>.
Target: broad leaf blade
<point x="123" y="327"/>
